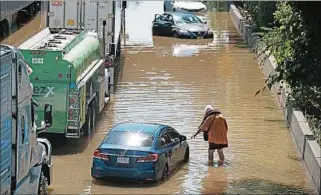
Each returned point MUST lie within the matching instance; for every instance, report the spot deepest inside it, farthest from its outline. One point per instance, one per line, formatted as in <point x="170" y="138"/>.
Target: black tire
<point x="175" y="34"/>
<point x="88" y="127"/>
<point x="98" y="178"/>
<point x="165" y="173"/>
<point x="186" y="155"/>
<point x="5" y="29"/>
<point x="32" y="10"/>
<point x="43" y="185"/>
<point x="93" y="116"/>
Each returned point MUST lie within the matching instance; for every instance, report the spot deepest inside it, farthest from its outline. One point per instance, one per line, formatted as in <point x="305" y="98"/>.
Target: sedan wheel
<point x="186" y="156"/>
<point x="176" y="35"/>
<point x="165" y="173"/>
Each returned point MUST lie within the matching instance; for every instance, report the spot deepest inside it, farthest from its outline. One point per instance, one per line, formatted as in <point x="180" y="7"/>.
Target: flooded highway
<point x="171" y="83"/>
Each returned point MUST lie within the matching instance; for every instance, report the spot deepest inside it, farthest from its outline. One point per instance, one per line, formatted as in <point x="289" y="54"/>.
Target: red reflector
<point x="59" y="75"/>
<point x="72" y="100"/>
<point x="99" y="155"/>
<point x="149" y="158"/>
<point x="108" y="63"/>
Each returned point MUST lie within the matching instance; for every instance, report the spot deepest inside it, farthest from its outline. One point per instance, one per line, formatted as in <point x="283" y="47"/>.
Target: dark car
<point x="181" y="25"/>
<point x="139" y="151"/>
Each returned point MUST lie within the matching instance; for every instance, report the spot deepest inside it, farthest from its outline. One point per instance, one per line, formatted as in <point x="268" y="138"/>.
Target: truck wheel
<point x="32" y="10"/>
<point x="43" y="185"/>
<point x="88" y="123"/>
<point x="5" y="29"/>
<point x="93" y="116"/>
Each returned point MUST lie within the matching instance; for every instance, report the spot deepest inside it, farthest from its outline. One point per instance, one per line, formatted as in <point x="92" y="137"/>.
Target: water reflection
<point x="138" y="22"/>
<point x="216" y="180"/>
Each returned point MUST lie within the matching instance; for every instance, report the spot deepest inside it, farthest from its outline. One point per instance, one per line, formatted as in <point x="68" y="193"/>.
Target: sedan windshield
<point x="187" y="19"/>
<point x="130" y="138"/>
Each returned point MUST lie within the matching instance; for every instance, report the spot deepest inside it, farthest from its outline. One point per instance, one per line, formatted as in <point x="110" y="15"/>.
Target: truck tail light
<point x="149" y="158"/>
<point x="72" y="100"/>
<point x="99" y="155"/>
<point x="108" y="63"/>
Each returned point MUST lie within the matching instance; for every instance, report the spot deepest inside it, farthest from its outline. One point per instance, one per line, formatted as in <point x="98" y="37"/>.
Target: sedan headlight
<point x="181" y="30"/>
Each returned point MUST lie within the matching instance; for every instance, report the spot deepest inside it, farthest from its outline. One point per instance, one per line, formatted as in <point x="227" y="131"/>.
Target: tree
<point x="295" y="42"/>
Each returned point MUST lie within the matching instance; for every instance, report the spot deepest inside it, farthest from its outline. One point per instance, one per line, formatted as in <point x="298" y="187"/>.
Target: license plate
<point x="122" y="160"/>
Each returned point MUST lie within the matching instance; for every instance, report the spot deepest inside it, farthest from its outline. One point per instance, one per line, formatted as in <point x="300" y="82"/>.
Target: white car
<point x="184" y="6"/>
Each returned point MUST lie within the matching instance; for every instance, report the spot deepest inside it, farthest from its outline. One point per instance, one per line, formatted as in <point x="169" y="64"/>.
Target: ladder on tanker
<point x="73" y="123"/>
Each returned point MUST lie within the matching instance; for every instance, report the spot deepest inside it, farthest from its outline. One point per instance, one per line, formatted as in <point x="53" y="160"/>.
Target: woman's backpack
<point x="205" y="133"/>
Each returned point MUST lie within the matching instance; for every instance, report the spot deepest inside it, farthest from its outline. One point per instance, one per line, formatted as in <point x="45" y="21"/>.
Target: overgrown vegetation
<point x="291" y="32"/>
<point x="261" y="13"/>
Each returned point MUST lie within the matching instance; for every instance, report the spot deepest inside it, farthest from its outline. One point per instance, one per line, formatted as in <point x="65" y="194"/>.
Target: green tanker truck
<point x="69" y="73"/>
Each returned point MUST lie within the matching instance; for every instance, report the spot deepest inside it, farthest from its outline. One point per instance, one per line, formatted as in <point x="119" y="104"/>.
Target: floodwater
<point x="171" y="83"/>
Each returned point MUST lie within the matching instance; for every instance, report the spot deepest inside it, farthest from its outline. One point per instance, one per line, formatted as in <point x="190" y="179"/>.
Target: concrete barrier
<point x="308" y="148"/>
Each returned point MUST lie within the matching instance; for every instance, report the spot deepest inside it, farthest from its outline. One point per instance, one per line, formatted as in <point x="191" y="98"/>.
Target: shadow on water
<point x="119" y="65"/>
<point x="242" y="44"/>
<point x="237" y="40"/>
<point x="275" y="120"/>
<point x="259" y="186"/>
<point x="64" y="146"/>
<point x="270" y="107"/>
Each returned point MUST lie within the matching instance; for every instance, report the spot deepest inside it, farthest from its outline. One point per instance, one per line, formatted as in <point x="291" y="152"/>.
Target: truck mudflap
<point x="47" y="162"/>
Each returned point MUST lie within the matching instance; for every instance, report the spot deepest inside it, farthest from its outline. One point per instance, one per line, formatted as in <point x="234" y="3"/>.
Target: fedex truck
<point x="69" y="73"/>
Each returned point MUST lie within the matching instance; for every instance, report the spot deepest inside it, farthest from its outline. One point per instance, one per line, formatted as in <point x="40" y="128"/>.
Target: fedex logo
<point x="43" y="90"/>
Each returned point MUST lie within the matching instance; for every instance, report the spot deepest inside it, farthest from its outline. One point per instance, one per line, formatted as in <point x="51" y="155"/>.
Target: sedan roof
<point x="141" y="127"/>
<point x="179" y="13"/>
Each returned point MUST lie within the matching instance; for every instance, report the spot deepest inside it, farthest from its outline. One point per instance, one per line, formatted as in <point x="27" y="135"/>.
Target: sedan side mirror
<point x="182" y="138"/>
<point x="168" y="24"/>
<point x="156" y="16"/>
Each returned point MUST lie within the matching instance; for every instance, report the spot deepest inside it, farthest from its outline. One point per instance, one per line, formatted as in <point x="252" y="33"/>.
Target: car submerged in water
<point x="184" y="6"/>
<point x="181" y="25"/>
<point x="140" y="152"/>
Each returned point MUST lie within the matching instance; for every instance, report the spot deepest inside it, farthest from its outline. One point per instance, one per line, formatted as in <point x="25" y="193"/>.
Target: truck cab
<point x="25" y="166"/>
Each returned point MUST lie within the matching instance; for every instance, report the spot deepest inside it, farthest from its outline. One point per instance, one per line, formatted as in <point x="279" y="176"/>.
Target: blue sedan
<point x="139" y="151"/>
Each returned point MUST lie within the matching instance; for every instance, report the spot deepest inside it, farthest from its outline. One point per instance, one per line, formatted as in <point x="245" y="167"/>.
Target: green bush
<point x="261" y="13"/>
<point x="296" y="46"/>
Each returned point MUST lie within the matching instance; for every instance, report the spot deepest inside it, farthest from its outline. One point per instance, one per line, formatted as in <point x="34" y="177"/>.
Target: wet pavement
<point x="171" y="83"/>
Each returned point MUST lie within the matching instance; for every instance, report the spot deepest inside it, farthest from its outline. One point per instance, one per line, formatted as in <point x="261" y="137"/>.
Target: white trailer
<point x="104" y="17"/>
